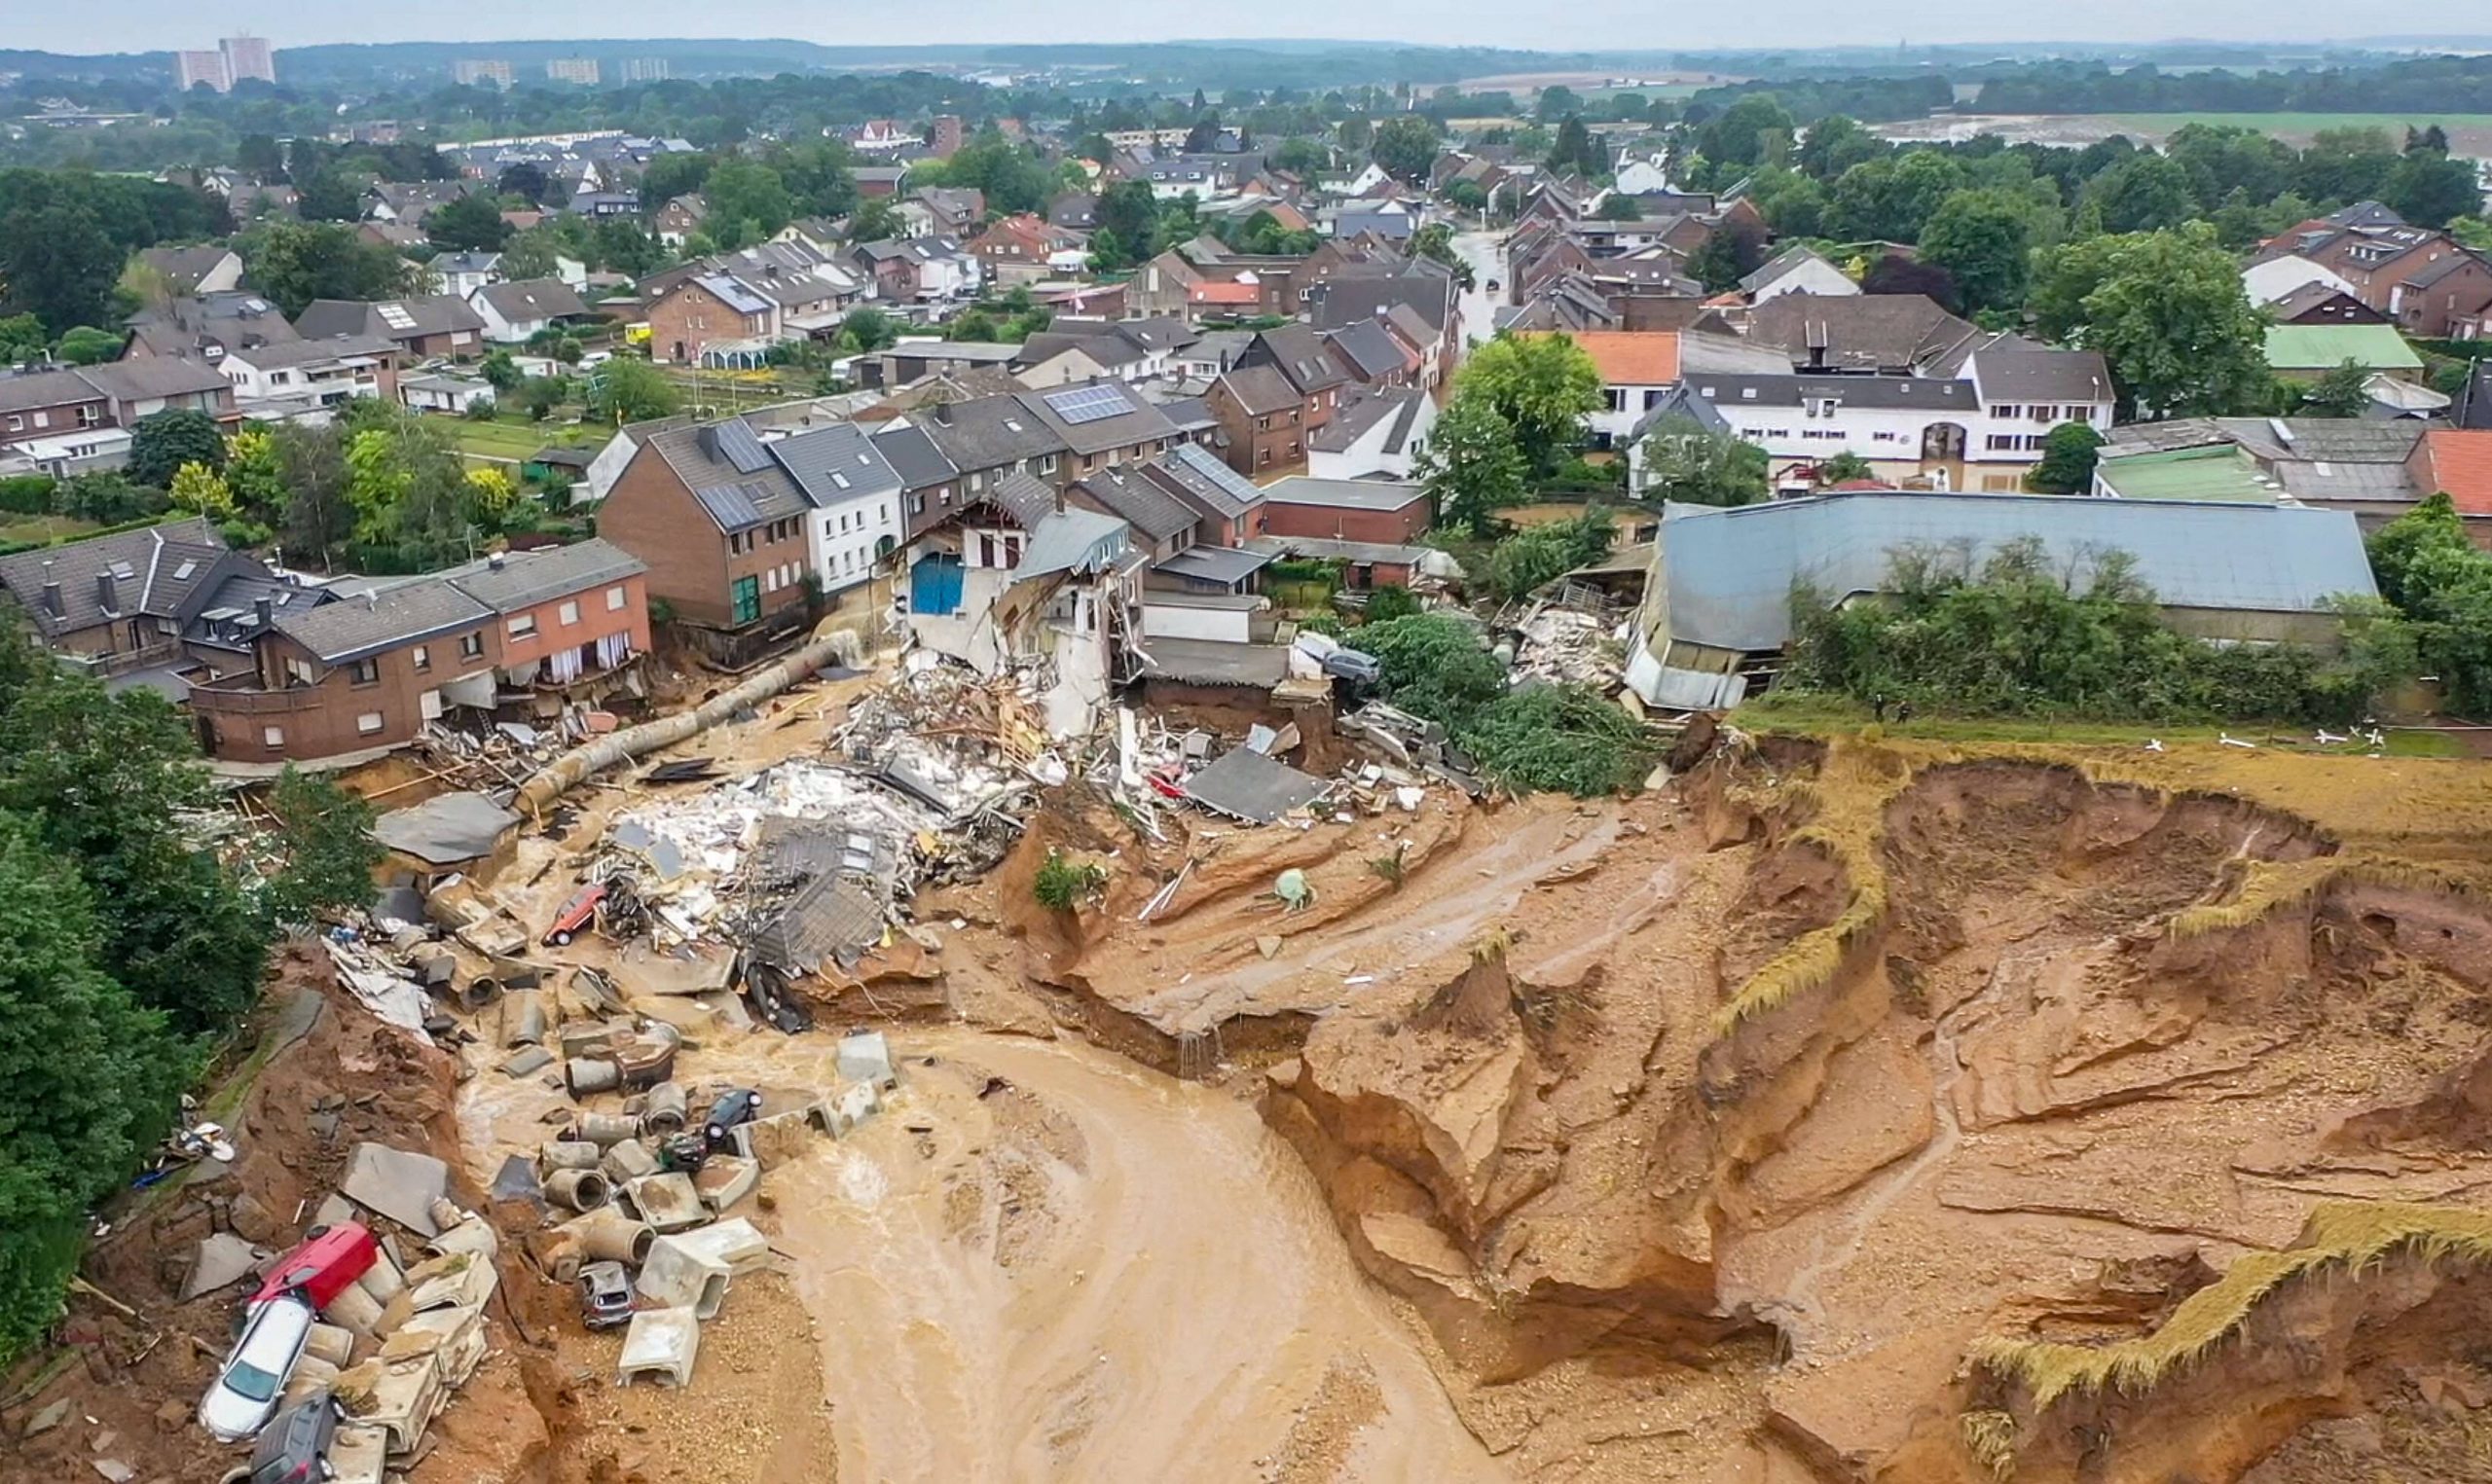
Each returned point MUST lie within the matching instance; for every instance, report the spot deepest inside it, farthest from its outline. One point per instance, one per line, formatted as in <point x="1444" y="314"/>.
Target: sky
<point x="167" y="24"/>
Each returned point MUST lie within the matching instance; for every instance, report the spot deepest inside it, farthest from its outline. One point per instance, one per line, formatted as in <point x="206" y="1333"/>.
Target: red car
<point x="576" y="915"/>
<point x="327" y="1263"/>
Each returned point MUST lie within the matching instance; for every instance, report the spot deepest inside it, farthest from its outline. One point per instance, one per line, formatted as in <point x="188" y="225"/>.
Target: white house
<point x="515" y="312"/>
<point x="1640" y="177"/>
<point x="2024" y="390"/>
<point x="461" y="273"/>
<point x="856" y="520"/>
<point x="2267" y="281"/>
<point x="1367" y="182"/>
<point x="1637" y="367"/>
<point x="443" y="392"/>
<point x="308" y="379"/>
<point x="1796" y="270"/>
<point x="1372" y="432"/>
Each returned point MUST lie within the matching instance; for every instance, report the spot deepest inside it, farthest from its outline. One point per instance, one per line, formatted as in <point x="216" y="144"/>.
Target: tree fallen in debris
<point x="1566" y="739"/>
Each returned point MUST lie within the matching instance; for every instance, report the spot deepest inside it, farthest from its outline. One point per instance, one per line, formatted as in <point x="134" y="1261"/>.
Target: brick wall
<point x="1398" y="527"/>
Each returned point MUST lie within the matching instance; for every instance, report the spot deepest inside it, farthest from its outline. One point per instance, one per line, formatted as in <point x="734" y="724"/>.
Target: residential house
<point x="876" y="182"/>
<point x="1717" y="611"/>
<point x="2458" y="462"/>
<point x="1917" y="429"/>
<point x="1073" y="349"/>
<point x="2307" y="352"/>
<point x="726" y="530"/>
<point x="516" y="312"/>
<point x="422" y="326"/>
<point x="599" y="204"/>
<point x="2025" y="389"/>
<point x="1636" y="369"/>
<point x="1100" y="425"/>
<point x="2367" y="468"/>
<point x="679" y="219"/>
<point x="460" y="275"/>
<point x="407" y="204"/>
<point x="365" y="674"/>
<point x="1796" y="270"/>
<point x="917" y="268"/>
<point x="1163" y="524"/>
<point x="125" y="602"/>
<point x="694" y="314"/>
<point x="1200" y="176"/>
<point x="203" y="328"/>
<point x="311" y="379"/>
<point x="2443" y="297"/>
<point x="38" y="407"/>
<point x="1414" y="298"/>
<point x="443" y="391"/>
<point x="953" y="212"/>
<point x="1263" y="418"/>
<point x="1075" y="211"/>
<point x="1872" y="334"/>
<point x="915" y="357"/>
<point x="1370" y="356"/>
<point x="2321" y="303"/>
<point x="1389" y="511"/>
<point x="189" y="272"/>
<point x="1024" y="248"/>
<point x="856" y="519"/>
<point x="1374" y="432"/>
<point x="1228" y="506"/>
<point x="2269" y="279"/>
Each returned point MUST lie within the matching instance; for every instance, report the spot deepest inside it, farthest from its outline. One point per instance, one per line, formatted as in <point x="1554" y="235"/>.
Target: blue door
<point x="934" y="584"/>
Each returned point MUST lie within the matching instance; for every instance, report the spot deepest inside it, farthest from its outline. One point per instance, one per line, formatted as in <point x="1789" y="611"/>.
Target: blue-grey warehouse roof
<point x="1732" y="571"/>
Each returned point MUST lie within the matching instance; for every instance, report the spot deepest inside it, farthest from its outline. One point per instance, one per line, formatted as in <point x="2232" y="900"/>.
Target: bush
<point x="1563" y="739"/>
<point x="1390" y="602"/>
<point x="1062" y="884"/>
<point x="479" y="410"/>
<point x="28" y="494"/>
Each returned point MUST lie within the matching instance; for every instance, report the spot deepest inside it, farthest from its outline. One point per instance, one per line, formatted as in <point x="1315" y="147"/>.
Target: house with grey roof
<point x="514" y="312"/>
<point x="192" y="271"/>
<point x="1717" y="601"/>
<point x="130" y="601"/>
<point x="311" y="379"/>
<point x="367" y="669"/>
<point x="83" y="414"/>
<point x="422" y="324"/>
<point x="204" y="327"/>
<point x="1374" y="432"/>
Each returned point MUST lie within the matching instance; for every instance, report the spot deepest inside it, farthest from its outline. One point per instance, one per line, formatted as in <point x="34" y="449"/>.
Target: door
<point x="747" y="594"/>
<point x="934" y="584"/>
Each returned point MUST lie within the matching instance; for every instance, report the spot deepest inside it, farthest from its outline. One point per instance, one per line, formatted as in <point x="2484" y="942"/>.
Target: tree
<point x="1434" y="242"/>
<point x="1471" y="465"/>
<point x="868" y="328"/>
<point x="667" y="176"/>
<point x="1754" y="131"/>
<point x="2143" y="193"/>
<point x="1526" y="561"/>
<point x="750" y="194"/>
<point x="1896" y="273"/>
<point x="325" y="851"/>
<point x="469" y="224"/>
<point x="1981" y="238"/>
<point x="634" y="390"/>
<point x="199" y="489"/>
<point x="531" y="254"/>
<point x="1793" y="204"/>
<point x="57" y="264"/>
<point x="1889" y="199"/>
<point x="293" y="263"/>
<point x="254" y="477"/>
<point x="1619" y="206"/>
<point x="1729" y="253"/>
<point x="491" y="494"/>
<point x="1541" y="386"/>
<point x="163" y="441"/>
<point x="329" y="196"/>
<point x="525" y="180"/>
<point x="86" y="346"/>
<point x="1835" y="144"/>
<point x="1466" y="196"/>
<point x="1301" y="156"/>
<point x="1576" y="152"/>
<point x="500" y="371"/>
<point x="2066" y="465"/>
<point x="1842" y="469"/>
<point x="2168" y="314"/>
<point x="2342" y="392"/>
<point x="22" y="338"/>
<point x="1689" y="463"/>
<point x="317" y="515"/>
<point x="1406" y="147"/>
<point x="2429" y="188"/>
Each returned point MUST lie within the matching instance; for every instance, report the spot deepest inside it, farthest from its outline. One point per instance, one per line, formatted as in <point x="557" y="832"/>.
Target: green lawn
<point x="23" y="528"/>
<point x="2468" y="133"/>
<point x="500" y="440"/>
<point x="1792" y="713"/>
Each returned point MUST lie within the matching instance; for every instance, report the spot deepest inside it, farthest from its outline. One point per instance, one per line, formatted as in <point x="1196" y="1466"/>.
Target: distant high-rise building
<point x="949" y="135"/>
<point x="191" y="68"/>
<point x="647" y="69"/>
<point x="247" y="57"/>
<point x="482" y="73"/>
<point x="572" y="69"/>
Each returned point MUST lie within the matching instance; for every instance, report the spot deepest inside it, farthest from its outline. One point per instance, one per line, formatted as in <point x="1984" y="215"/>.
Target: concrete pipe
<point x="662" y="1115"/>
<point x="570" y="1154"/>
<point x="580" y="1190"/>
<point x="587" y="1074"/>
<point x="832" y="640"/>
<point x="332" y="1344"/>
<point x="522" y="1019"/>
<point x="610" y="1237"/>
<point x="383" y="1280"/>
<point x="353" y="1310"/>
<point x="607" y="1129"/>
<point x="479" y="994"/>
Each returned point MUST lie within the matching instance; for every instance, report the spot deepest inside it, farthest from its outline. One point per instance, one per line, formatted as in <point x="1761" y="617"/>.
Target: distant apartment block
<point x="247" y="57"/>
<point x="647" y="69"/>
<point x="572" y="69"/>
<point x="480" y="73"/>
<point x="191" y="68"/>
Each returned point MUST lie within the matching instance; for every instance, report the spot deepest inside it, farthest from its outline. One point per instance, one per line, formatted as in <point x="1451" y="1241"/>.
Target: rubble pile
<point x="503" y="754"/>
<point x="1573" y="637"/>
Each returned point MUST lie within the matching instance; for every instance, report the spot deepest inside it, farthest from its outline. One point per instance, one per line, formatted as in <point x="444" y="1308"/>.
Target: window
<point x="1616" y="396"/>
<point x="2044" y="411"/>
<point x="471" y="646"/>
<point x="368" y="723"/>
<point x="1046" y="464"/>
<point x="523" y="625"/>
<point x="91" y="415"/>
<point x="614" y="598"/>
<point x="2002" y="443"/>
<point x="569" y="613"/>
<point x="423" y="657"/>
<point x="2005" y="410"/>
<point x="16" y="424"/>
<point x="364" y="672"/>
<point x="298" y="672"/>
<point x="272" y="737"/>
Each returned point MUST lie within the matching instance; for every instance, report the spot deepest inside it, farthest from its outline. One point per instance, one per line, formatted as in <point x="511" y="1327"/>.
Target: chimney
<point x="104" y="596"/>
<point x="494" y="560"/>
<point x="51" y="591"/>
<point x="264" y="610"/>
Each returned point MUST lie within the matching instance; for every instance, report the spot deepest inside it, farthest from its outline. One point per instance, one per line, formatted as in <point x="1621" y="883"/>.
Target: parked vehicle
<point x="740" y="1105"/>
<point x="328" y="1262"/>
<point x="577" y="916"/>
<point x="606" y="1295"/>
<point x="1355" y="666"/>
<point x="245" y="1395"/>
<point x="295" y="1447"/>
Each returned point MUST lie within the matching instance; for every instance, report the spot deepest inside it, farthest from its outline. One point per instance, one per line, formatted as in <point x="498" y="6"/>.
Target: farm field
<point x="2468" y="134"/>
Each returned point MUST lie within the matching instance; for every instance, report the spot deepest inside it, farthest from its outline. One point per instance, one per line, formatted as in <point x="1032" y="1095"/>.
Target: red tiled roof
<point x="2459" y="461"/>
<point x="1631" y="357"/>
<point x="1224" y="293"/>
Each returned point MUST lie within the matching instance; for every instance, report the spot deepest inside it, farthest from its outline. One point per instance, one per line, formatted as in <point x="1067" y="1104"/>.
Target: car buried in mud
<point x="247" y="1385"/>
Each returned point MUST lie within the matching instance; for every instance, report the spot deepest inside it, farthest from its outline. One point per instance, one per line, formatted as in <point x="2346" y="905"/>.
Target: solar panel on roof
<point x="1088" y="404"/>
<point x="739" y="447"/>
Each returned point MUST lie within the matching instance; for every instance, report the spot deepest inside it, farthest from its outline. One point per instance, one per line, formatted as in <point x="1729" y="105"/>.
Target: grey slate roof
<point x="524" y="579"/>
<point x="2015" y="369"/>
<point x="1858" y="332"/>
<point x="1925" y="393"/>
<point x="836" y="463"/>
<point x="357" y="627"/>
<point x="1148" y="508"/>
<point x="184" y="266"/>
<point x="1298" y="353"/>
<point x="1370" y="348"/>
<point x="1360" y="413"/>
<point x="1260" y="389"/>
<point x="426" y="314"/>
<point x="1141" y="422"/>
<point x="1026" y="498"/>
<point x="533" y="299"/>
<point x="989" y="432"/>
<point x="1732" y="571"/>
<point x="736" y="499"/>
<point x="311" y="352"/>
<point x="1216" y="563"/>
<point x="144" y="563"/>
<point x="914" y="458"/>
<point x="1079" y="541"/>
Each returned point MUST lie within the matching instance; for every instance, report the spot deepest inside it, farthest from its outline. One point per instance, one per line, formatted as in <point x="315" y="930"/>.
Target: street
<point x="1479" y="249"/>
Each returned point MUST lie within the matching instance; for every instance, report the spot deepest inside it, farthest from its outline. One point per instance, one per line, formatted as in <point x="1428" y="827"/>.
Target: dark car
<point x="739" y="1105"/>
<point x="294" y="1449"/>
<point x="606" y="1295"/>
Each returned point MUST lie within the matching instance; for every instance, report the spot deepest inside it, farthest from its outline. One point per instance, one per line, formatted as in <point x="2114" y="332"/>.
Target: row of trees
<point x="64" y="236"/>
<point x="128" y="951"/>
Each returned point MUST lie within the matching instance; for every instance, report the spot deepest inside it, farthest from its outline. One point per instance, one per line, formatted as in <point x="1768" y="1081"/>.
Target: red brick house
<point x="694" y="313"/>
<point x="1385" y="511"/>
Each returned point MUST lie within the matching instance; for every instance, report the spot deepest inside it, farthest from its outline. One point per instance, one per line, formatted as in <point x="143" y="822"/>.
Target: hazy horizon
<point x="153" y="25"/>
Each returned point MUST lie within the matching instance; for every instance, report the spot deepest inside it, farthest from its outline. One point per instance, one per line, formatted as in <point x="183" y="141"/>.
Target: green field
<point x="2469" y="133"/>
<point x="1817" y="715"/>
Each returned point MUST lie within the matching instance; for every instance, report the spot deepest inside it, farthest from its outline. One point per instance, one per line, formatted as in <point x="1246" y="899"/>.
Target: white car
<point x="253" y="1376"/>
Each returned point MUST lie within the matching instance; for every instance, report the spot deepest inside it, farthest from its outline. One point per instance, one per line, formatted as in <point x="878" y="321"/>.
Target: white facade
<point x="1622" y="405"/>
<point x="844" y="541"/>
<point x="1368" y="454"/>
<point x="1217" y="617"/>
<point x="1811" y="274"/>
<point x="2271" y="280"/>
<point x="1642" y="177"/>
<point x="322" y="383"/>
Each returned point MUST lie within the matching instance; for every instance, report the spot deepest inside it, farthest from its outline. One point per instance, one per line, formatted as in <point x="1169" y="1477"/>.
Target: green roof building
<point x="2307" y="352"/>
<point x="2218" y="471"/>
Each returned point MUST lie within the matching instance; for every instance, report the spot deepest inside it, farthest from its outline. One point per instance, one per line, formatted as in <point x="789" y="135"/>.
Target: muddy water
<point x="1097" y="1274"/>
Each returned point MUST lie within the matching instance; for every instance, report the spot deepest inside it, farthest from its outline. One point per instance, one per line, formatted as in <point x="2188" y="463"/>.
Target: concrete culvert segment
<point x="580" y="1190"/>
